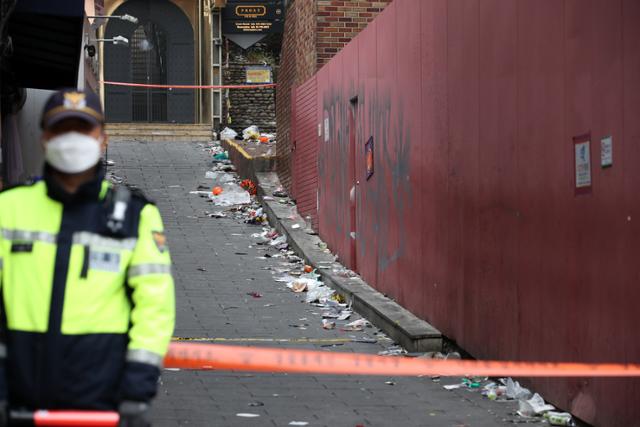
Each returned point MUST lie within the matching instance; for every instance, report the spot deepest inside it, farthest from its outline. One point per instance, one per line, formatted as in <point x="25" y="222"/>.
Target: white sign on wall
<point x="326" y="129"/>
<point x="583" y="165"/>
<point x="606" y="152"/>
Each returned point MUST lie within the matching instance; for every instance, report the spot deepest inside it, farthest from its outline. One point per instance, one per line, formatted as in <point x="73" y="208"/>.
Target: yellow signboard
<point x="258" y="75"/>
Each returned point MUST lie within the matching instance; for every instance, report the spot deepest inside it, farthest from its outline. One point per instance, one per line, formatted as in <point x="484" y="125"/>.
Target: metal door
<point x="161" y="51"/>
<point x="148" y="66"/>
<point x="353" y="209"/>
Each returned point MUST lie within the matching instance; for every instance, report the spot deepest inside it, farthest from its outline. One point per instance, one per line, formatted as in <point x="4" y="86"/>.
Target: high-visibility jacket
<point x="88" y="302"/>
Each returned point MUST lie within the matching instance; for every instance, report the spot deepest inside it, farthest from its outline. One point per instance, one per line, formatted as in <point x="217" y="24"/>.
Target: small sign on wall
<point x="368" y="150"/>
<point x="606" y="152"/>
<point x="258" y="74"/>
<point x="326" y="129"/>
<point x="582" y="149"/>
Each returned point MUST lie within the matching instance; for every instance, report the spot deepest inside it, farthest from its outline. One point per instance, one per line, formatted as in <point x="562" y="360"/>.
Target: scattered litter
<point x="473" y="382"/>
<point x="251" y="133"/>
<point x="320" y="294"/>
<point x="389" y="383"/>
<point x="249" y="186"/>
<point x="110" y="163"/>
<point x="357" y="325"/>
<point x="280" y="192"/>
<point x="172" y="369"/>
<point x="344" y="272"/>
<point x="559" y="418"/>
<point x="218" y="215"/>
<point x="256" y="404"/>
<point x="231" y="194"/>
<point x="515" y="391"/>
<point x="452" y="386"/>
<point x="220" y="157"/>
<point x="298" y="423"/>
<point x="279" y="241"/>
<point x="494" y="391"/>
<point x="345" y="315"/>
<point x="303" y="326"/>
<point x="534" y="406"/>
<point x="254" y="294"/>
<point x="295" y="226"/>
<point x="202" y="269"/>
<point x="228" y="133"/>
<point x="243" y="415"/>
<point x="219" y="177"/>
<point x="327" y="324"/>
<point x="298" y="286"/>
<point x="395" y="350"/>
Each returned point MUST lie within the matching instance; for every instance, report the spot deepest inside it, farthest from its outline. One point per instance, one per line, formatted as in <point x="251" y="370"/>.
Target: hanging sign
<point x="253" y="17"/>
<point x="582" y="150"/>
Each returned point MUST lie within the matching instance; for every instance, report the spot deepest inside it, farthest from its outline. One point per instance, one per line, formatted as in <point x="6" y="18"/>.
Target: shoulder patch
<point x="160" y="239"/>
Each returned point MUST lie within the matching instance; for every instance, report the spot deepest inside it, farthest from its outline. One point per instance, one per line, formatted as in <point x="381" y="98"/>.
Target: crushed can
<point x="559" y="418"/>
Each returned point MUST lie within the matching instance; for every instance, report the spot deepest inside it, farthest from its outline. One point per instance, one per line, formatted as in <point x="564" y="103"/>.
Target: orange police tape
<point x="254" y="359"/>
<point x="157" y="86"/>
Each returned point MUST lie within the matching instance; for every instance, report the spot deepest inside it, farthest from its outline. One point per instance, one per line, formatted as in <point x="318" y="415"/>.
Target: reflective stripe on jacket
<point x="88" y="312"/>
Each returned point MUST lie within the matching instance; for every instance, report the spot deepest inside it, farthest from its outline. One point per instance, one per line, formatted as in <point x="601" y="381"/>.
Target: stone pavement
<point x="216" y="264"/>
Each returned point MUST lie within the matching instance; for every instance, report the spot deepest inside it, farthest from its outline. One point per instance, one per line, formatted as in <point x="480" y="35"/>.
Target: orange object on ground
<point x="253" y="359"/>
<point x="217" y="191"/>
<point x="308" y="269"/>
<point x="264" y="139"/>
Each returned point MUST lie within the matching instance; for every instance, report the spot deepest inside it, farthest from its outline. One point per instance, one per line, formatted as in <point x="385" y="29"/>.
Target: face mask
<point x="73" y="152"/>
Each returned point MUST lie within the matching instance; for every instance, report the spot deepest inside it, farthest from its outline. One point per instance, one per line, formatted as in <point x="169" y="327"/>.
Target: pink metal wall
<point x="471" y="219"/>
<point x="305" y="149"/>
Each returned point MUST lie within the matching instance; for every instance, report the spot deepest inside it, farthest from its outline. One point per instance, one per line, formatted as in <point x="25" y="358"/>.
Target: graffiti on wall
<point x="388" y="193"/>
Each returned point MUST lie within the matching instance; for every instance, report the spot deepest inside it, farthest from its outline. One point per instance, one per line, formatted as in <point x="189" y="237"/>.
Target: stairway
<point x="154" y="132"/>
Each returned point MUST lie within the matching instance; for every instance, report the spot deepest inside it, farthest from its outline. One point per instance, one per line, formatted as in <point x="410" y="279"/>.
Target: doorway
<point x="160" y="51"/>
<point x="149" y="66"/>
<point x="353" y="194"/>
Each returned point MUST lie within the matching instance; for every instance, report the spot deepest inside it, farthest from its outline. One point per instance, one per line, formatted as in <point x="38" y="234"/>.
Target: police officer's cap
<point x="72" y="103"/>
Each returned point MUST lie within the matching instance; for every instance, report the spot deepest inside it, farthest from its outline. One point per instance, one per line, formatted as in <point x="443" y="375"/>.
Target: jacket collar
<point x="87" y="192"/>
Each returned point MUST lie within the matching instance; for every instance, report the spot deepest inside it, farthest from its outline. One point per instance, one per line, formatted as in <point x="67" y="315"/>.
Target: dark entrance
<point x="149" y="66"/>
<point x="160" y="51"/>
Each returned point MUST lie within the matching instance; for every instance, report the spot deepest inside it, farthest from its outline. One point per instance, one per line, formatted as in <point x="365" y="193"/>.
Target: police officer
<point x="88" y="305"/>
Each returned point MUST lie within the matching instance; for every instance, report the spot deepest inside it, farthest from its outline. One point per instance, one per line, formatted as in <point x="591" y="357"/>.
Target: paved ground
<point x="214" y="304"/>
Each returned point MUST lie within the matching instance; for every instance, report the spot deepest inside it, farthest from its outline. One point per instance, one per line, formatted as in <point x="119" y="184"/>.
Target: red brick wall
<point x="297" y="64"/>
<point x="339" y="21"/>
<point x="315" y="30"/>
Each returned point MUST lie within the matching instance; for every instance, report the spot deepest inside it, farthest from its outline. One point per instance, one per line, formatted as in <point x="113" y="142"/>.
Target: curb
<point x="246" y="165"/>
<point x="405" y="328"/>
<point x="414" y="334"/>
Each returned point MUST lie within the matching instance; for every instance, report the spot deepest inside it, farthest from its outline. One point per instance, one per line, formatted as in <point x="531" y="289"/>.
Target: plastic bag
<point x="534" y="406"/>
<point x="252" y="132"/>
<point x="515" y="391"/>
<point x="232" y="195"/>
<point x="219" y="177"/>
<point x="228" y="133"/>
<point x="319" y="293"/>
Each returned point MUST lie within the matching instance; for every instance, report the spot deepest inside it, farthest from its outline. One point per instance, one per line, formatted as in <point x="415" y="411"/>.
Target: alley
<point x="216" y="266"/>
